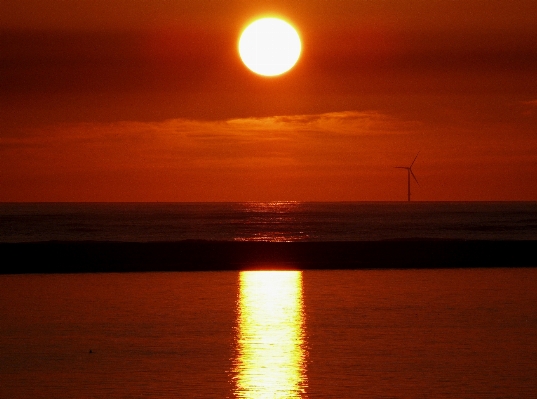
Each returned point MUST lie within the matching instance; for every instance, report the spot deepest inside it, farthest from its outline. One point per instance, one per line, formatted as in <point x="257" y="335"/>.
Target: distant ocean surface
<point x="267" y="221"/>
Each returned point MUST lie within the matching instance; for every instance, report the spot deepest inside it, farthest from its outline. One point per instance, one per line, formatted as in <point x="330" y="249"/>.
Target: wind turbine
<point x="409" y="170"/>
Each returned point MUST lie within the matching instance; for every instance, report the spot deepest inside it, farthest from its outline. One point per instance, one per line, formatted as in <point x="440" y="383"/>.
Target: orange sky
<point x="116" y="100"/>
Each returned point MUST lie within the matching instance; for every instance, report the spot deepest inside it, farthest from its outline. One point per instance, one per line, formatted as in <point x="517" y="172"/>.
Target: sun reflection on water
<point x="274" y="221"/>
<point x="270" y="357"/>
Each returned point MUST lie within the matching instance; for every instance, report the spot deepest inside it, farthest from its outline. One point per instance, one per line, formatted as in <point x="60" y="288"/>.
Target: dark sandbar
<point x="89" y="256"/>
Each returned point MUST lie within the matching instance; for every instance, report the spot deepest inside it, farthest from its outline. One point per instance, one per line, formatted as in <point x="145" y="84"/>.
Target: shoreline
<point x="199" y="255"/>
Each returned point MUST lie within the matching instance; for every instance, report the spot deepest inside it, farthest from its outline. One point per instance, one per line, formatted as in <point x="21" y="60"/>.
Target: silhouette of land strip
<point x="193" y="255"/>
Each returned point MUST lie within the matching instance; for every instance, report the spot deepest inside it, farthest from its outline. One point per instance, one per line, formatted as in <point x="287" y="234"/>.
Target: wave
<point x="205" y="255"/>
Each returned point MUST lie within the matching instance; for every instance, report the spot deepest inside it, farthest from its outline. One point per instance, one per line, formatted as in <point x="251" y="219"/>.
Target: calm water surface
<point x="315" y="334"/>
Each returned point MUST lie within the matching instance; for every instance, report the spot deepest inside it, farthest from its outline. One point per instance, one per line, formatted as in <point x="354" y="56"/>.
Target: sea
<point x="267" y="221"/>
<point x="415" y="333"/>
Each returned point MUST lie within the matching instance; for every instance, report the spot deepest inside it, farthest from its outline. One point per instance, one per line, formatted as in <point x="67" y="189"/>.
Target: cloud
<point x="327" y="138"/>
<point x="241" y="129"/>
<point x="332" y="123"/>
<point x="327" y="156"/>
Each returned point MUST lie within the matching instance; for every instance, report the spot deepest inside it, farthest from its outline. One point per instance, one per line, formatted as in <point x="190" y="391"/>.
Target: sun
<point x="269" y="46"/>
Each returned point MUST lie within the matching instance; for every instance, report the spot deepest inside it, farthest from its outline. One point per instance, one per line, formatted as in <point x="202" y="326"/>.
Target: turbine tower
<point x="409" y="171"/>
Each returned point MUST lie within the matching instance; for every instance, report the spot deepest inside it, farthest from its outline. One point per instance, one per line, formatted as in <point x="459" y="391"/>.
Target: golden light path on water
<point x="271" y="349"/>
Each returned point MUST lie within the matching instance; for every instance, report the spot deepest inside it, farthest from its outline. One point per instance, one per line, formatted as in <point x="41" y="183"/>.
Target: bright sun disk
<point x="269" y="46"/>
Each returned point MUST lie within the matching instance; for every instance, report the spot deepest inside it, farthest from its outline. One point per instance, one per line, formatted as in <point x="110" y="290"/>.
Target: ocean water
<point x="268" y="221"/>
<point x="285" y="334"/>
<point x="444" y="333"/>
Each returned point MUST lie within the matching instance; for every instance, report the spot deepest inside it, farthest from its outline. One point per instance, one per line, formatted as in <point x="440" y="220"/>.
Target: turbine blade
<point x="415" y="159"/>
<point x="412" y="173"/>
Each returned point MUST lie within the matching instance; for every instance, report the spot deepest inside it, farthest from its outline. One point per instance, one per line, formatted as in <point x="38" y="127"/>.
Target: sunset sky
<point x="124" y="100"/>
